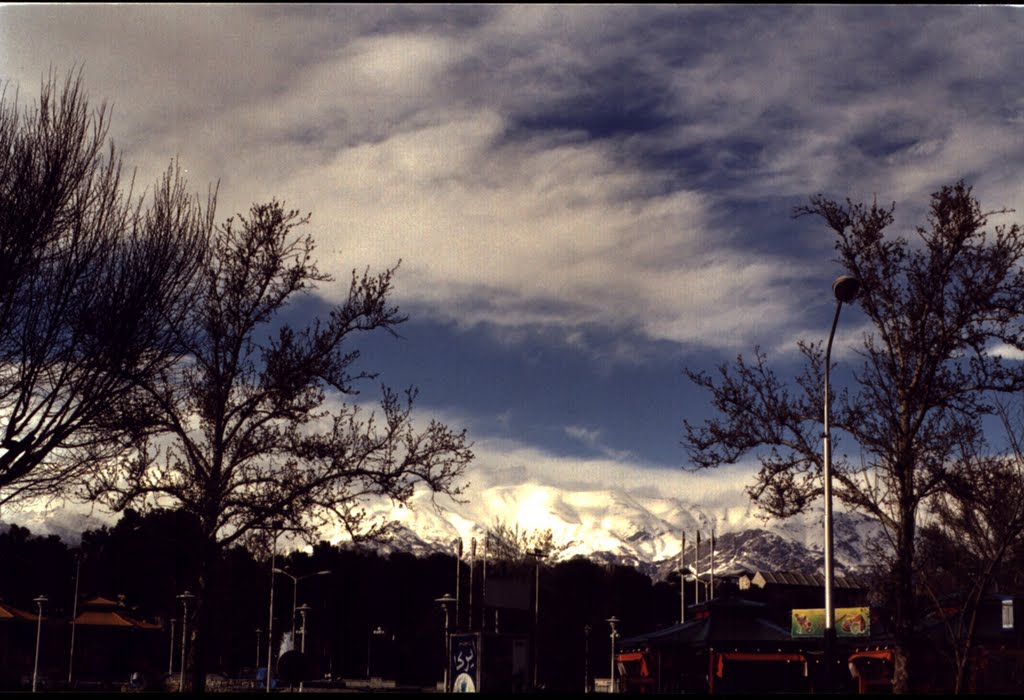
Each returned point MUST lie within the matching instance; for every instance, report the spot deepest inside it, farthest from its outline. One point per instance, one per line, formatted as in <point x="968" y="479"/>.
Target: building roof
<point x="9" y="612"/>
<point x="103" y="612"/>
<point x="746" y="627"/>
<point x="792" y="578"/>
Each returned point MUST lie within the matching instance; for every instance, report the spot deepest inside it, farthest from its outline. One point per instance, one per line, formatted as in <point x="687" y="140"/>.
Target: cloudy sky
<point x="584" y="199"/>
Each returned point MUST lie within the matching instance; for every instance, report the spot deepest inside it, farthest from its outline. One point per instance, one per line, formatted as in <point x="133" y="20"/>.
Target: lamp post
<point x="39" y="601"/>
<point x="457" y="543"/>
<point x="586" y="658"/>
<point x="303" y="610"/>
<point x="538" y="554"/>
<point x="379" y="632"/>
<point x="259" y="635"/>
<point x="445" y="601"/>
<point x="74" y="617"/>
<point x="170" y="660"/>
<point x="184" y="598"/>
<point x="275" y="527"/>
<point x="845" y="290"/>
<point x="612" y="621"/>
<point x="295" y="590"/>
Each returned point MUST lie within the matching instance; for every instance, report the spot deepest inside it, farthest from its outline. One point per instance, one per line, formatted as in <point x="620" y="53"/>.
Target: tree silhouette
<point x="256" y="433"/>
<point x="942" y="309"/>
<point x="91" y="282"/>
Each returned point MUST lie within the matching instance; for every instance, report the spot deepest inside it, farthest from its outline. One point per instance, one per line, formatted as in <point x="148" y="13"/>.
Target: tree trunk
<point x="902" y="679"/>
<point x="199" y="653"/>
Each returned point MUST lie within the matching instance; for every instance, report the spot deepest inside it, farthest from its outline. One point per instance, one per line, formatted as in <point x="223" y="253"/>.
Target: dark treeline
<point x="145" y="561"/>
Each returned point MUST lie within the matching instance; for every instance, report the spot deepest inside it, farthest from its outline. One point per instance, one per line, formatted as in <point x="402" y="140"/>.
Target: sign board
<point x="849" y="622"/>
<point x="465" y="663"/>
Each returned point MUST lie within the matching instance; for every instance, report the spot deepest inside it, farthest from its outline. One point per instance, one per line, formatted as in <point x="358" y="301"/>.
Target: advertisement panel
<point x="849" y="622"/>
<point x="465" y="663"/>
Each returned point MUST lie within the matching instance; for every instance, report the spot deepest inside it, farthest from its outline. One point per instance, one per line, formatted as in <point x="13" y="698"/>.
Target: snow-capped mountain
<point x="629" y="528"/>
<point x="635" y="526"/>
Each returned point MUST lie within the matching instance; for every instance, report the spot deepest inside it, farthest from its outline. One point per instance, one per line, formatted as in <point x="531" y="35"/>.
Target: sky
<point x="585" y="199"/>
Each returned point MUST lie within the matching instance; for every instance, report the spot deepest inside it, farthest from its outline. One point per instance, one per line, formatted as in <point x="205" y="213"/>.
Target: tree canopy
<point x="944" y="309"/>
<point x="92" y="280"/>
<point x="255" y="429"/>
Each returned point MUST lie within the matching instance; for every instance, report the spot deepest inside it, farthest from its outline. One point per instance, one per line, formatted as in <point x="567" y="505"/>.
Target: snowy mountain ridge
<point x="629" y="528"/>
<point x="637" y="527"/>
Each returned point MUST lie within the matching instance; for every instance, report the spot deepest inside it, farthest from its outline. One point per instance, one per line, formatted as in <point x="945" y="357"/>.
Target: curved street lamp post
<point x="295" y="590"/>
<point x="845" y="290"/>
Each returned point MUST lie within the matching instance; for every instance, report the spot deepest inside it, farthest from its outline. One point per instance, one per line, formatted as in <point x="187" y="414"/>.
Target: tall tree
<point x="91" y="282"/>
<point x="975" y="526"/>
<point x="255" y="425"/>
<point x="940" y="307"/>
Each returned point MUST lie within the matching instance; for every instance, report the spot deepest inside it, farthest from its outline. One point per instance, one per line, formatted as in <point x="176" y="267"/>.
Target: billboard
<point x="849" y="622"/>
<point x="465" y="663"/>
<point x="493" y="663"/>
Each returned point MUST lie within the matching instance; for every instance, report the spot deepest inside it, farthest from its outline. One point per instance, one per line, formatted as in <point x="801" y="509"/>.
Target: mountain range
<point x="644" y="531"/>
<point x="632" y="527"/>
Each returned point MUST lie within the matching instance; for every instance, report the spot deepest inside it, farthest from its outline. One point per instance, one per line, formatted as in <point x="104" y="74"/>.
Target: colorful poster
<point x="849" y="622"/>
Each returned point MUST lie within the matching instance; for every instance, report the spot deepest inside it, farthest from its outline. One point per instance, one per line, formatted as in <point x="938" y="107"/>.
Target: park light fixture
<point x="445" y="602"/>
<point x="845" y="290"/>
<point x="612" y="622"/>
<point x="184" y="598"/>
<point x="39" y="601"/>
<point x="295" y="590"/>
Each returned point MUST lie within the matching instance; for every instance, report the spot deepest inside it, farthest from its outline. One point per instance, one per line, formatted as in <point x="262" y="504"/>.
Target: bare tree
<point x="979" y="521"/>
<point x="256" y="426"/>
<point x="91" y="281"/>
<point x="938" y="308"/>
<point x="513" y="545"/>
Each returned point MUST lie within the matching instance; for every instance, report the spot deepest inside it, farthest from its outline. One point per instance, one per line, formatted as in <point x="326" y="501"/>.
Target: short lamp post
<point x="612" y="622"/>
<point x="259" y="636"/>
<point x="537" y="553"/>
<point x="170" y="659"/>
<point x="379" y="632"/>
<point x="845" y="289"/>
<point x="303" y="610"/>
<point x="184" y="598"/>
<point x="39" y="601"/>
<point x="586" y="658"/>
<point x="445" y="602"/>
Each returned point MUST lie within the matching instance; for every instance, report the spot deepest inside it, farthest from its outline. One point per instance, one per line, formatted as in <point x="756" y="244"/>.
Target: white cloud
<point x="401" y="129"/>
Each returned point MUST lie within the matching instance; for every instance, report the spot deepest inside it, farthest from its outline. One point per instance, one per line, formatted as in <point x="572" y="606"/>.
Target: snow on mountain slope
<point x="631" y="528"/>
<point x="636" y="524"/>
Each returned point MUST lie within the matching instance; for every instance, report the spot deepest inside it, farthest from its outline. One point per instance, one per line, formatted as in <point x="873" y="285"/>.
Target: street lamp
<point x="445" y="601"/>
<point x="845" y="290"/>
<point x="379" y="632"/>
<point x="74" y="616"/>
<point x="184" y="598"/>
<point x="39" y="633"/>
<point x="275" y="527"/>
<point x="302" y="610"/>
<point x="295" y="590"/>
<point x="586" y="658"/>
<point x="538" y="554"/>
<point x="170" y="661"/>
<point x="612" y="621"/>
<point x="457" y="543"/>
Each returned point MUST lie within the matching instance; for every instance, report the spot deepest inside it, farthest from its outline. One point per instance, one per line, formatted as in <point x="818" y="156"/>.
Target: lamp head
<point x="845" y="288"/>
